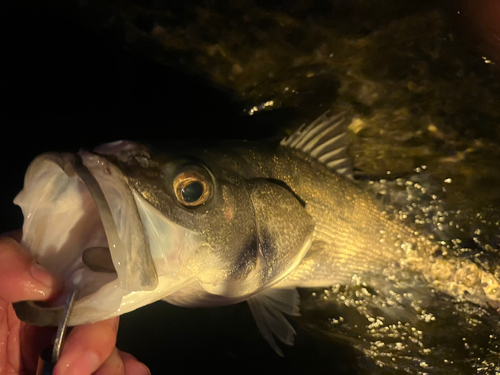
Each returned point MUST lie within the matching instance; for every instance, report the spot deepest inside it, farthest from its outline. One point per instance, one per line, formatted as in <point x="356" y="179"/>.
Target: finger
<point x="16" y="235"/>
<point x="87" y="347"/>
<point x="32" y="340"/>
<point x="9" y="344"/>
<point x="132" y="365"/>
<point x="21" y="278"/>
<point x="113" y="365"/>
<point x="20" y="344"/>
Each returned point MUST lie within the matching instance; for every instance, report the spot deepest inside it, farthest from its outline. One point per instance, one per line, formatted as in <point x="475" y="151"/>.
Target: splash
<point x="400" y="321"/>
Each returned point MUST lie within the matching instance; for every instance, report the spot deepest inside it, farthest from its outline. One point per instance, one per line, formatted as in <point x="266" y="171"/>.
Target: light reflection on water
<point x="400" y="321"/>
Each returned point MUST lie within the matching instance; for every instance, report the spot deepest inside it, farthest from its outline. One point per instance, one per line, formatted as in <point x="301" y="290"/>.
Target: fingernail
<point x="42" y="275"/>
<point x="137" y="368"/>
<point x="144" y="371"/>
<point x="16" y="235"/>
<point x="85" y="365"/>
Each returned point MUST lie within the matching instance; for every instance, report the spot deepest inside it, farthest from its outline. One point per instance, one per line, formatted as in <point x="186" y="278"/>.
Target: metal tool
<point x="50" y="355"/>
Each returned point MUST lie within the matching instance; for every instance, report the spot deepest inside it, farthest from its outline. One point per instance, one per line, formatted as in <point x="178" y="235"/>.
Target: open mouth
<point x="82" y="224"/>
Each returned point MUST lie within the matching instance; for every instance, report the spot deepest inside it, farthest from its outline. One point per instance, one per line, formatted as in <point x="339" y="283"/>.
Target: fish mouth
<point x="83" y="225"/>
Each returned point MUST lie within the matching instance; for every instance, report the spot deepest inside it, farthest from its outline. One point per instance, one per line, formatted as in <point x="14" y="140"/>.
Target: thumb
<point x="21" y="278"/>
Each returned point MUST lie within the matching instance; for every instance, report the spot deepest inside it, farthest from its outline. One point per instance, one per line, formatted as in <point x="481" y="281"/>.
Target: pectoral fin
<point x="268" y="308"/>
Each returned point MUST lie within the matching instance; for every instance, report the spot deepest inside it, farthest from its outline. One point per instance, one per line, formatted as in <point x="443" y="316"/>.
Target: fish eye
<point x="191" y="188"/>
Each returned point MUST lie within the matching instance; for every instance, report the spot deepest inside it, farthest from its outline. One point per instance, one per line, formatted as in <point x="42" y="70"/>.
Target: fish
<point x="198" y="225"/>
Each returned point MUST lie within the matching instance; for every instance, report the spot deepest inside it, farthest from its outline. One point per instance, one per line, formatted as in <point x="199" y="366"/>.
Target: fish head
<point x="169" y="219"/>
<point x="244" y="231"/>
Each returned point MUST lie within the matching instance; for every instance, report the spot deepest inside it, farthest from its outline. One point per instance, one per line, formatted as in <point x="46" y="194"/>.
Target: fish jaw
<point x="65" y="214"/>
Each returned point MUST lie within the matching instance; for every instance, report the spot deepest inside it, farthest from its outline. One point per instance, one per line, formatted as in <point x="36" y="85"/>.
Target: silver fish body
<point x="217" y="225"/>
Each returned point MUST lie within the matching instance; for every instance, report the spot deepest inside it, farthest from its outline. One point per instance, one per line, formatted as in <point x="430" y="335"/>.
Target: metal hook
<point x="49" y="363"/>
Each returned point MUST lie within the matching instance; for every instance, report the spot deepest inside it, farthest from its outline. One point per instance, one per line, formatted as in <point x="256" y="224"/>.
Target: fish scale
<point x="268" y="219"/>
<point x="348" y="227"/>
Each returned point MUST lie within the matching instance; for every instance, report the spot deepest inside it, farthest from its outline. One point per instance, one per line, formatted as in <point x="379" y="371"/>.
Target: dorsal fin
<point x="325" y="140"/>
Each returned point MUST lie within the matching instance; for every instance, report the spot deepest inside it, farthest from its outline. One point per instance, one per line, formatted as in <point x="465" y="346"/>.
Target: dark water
<point x="425" y="138"/>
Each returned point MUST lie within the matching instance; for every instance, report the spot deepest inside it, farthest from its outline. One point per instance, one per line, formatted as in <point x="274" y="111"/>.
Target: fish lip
<point x="134" y="265"/>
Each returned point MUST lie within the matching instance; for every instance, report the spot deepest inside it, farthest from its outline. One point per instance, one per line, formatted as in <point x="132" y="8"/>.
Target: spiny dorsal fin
<point x="325" y="140"/>
<point x="268" y="308"/>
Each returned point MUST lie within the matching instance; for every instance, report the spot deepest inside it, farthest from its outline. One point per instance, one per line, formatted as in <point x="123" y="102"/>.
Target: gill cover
<point x="284" y="228"/>
<point x="284" y="234"/>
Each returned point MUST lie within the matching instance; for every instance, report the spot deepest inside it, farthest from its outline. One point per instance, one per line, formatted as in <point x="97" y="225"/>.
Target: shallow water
<point x="400" y="321"/>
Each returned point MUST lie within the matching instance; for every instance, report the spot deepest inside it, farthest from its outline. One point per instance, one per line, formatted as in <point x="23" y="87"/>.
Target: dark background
<point x="65" y="87"/>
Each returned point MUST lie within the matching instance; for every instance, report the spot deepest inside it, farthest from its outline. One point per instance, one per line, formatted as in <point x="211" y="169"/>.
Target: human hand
<point x="87" y="349"/>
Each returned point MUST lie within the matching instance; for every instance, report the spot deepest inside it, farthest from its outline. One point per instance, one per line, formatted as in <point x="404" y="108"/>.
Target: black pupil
<point x="192" y="192"/>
